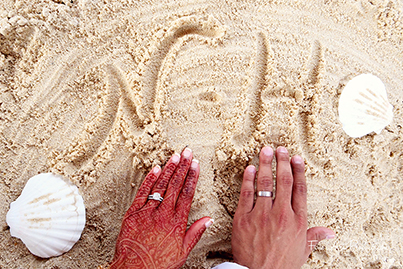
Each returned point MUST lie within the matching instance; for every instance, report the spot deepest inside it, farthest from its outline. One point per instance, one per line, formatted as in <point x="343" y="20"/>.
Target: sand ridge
<point x="102" y="91"/>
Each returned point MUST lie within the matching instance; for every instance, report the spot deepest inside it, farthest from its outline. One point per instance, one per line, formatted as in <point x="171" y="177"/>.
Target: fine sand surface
<point x="100" y="91"/>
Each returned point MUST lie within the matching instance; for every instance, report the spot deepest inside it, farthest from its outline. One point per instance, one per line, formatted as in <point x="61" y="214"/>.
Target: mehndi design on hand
<point x="153" y="233"/>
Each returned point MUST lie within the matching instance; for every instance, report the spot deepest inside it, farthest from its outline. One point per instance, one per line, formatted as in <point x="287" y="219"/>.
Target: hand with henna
<point x="271" y="233"/>
<point x="153" y="233"/>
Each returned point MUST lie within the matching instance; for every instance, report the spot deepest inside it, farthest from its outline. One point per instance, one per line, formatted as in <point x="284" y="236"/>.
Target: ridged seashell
<point x="48" y="216"/>
<point x="364" y="106"/>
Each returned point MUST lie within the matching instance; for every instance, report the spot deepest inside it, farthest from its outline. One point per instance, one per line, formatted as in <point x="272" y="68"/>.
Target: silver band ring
<point x="155" y="196"/>
<point x="264" y="194"/>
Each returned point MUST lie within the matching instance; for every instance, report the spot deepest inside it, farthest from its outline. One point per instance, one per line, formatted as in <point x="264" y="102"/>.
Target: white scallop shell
<point x="364" y="106"/>
<point x="48" y="216"/>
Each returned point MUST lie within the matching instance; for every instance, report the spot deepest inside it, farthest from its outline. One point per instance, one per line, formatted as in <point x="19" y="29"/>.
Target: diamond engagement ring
<point x="264" y="194"/>
<point x="155" y="196"/>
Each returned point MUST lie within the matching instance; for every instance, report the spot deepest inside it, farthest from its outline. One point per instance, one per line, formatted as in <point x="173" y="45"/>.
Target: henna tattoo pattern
<point x="153" y="233"/>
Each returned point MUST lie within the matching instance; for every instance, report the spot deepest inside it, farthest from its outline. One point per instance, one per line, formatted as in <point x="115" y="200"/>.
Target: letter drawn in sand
<point x="239" y="137"/>
<point x="315" y="64"/>
<point x="310" y="106"/>
<point x="97" y="130"/>
<point x="149" y="86"/>
<point x="150" y="97"/>
<point x="50" y="101"/>
<point x="78" y="158"/>
<point x="250" y="98"/>
<point x="271" y="112"/>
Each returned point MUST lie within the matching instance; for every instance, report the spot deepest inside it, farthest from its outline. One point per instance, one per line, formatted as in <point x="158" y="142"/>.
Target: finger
<point x="247" y="195"/>
<point x="299" y="190"/>
<point x="195" y="232"/>
<point x="177" y="180"/>
<point x="145" y="189"/>
<point x="162" y="182"/>
<point x="315" y="235"/>
<point x="284" y="178"/>
<point x="264" y="179"/>
<point x="186" y="195"/>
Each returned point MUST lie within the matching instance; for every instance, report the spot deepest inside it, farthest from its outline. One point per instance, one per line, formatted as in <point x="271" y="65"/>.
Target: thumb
<point x="195" y="232"/>
<point x="315" y="235"/>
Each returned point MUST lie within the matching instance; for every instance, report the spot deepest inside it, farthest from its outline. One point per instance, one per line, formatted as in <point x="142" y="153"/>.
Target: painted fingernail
<point x="330" y="236"/>
<point x="267" y="151"/>
<point x="209" y="223"/>
<point x="175" y="158"/>
<point x="194" y="164"/>
<point x="298" y="159"/>
<point x="282" y="150"/>
<point x="186" y="153"/>
<point x="156" y="169"/>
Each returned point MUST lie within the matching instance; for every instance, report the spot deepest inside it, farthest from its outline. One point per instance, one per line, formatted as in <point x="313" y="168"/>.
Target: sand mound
<point x="100" y="92"/>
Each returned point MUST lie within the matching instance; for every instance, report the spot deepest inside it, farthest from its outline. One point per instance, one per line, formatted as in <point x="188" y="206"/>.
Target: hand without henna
<point x="273" y="233"/>
<point x="153" y="233"/>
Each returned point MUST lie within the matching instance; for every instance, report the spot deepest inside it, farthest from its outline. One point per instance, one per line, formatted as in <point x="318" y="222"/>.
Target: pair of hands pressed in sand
<point x="266" y="233"/>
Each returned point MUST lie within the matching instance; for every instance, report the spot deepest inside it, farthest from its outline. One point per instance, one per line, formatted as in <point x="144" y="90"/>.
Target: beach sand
<point x="100" y="91"/>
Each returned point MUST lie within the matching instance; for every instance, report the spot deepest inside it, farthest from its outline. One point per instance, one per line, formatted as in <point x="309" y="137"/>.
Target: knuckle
<point x="143" y="193"/>
<point x="299" y="168"/>
<point x="170" y="198"/>
<point x="249" y="179"/>
<point x="188" y="190"/>
<point x="264" y="218"/>
<point x="265" y="182"/>
<point x="283" y="157"/>
<point x="247" y="194"/>
<point x="185" y="163"/>
<point x="149" y="181"/>
<point x="162" y="183"/>
<point x="176" y="180"/>
<point x="301" y="222"/>
<point x="283" y="219"/>
<point x="192" y="175"/>
<point x="286" y="180"/>
<point x="170" y="168"/>
<point x="300" y="188"/>
<point x="266" y="160"/>
<point x="243" y="223"/>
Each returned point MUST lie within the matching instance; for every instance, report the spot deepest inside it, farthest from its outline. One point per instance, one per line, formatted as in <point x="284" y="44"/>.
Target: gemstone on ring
<point x="264" y="194"/>
<point x="155" y="196"/>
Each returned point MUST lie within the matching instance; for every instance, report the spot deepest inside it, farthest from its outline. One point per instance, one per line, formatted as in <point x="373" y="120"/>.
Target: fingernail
<point x="186" y="153"/>
<point x="282" y="150"/>
<point x="194" y="164"/>
<point x="156" y="169"/>
<point x="330" y="236"/>
<point x="250" y="169"/>
<point x="175" y="158"/>
<point x="209" y="223"/>
<point x="267" y="151"/>
<point x="298" y="159"/>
